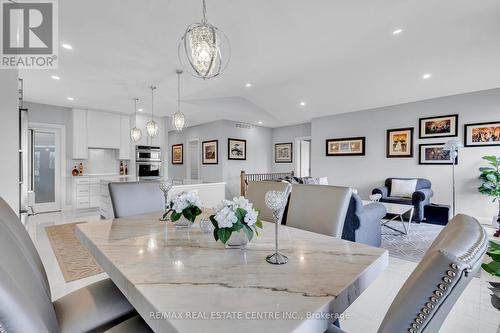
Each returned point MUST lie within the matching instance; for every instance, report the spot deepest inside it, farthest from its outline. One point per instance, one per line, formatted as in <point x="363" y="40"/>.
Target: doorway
<point x="303" y="166"/>
<point x="193" y="165"/>
<point x="45" y="168"/>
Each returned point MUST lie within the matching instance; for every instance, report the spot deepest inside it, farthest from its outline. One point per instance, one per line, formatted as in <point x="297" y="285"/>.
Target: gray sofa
<point x="421" y="197"/>
<point x="362" y="223"/>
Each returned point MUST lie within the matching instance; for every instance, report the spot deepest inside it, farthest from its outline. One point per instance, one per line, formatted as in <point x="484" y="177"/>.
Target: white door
<point x="305" y="158"/>
<point x="194" y="160"/>
<point x="45" y="170"/>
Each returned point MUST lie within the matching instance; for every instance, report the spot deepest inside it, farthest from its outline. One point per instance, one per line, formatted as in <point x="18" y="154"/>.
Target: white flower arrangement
<point x="233" y="216"/>
<point x="186" y="204"/>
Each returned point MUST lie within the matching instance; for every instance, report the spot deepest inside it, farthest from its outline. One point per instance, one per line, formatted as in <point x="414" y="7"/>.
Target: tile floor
<point x="473" y="312"/>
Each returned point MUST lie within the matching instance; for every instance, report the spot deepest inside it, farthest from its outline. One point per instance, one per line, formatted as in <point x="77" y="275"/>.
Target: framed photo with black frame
<point x="236" y="149"/>
<point x="482" y="134"/>
<point x="438" y="127"/>
<point x="355" y="146"/>
<point x="283" y="152"/>
<point x="399" y="142"/>
<point x="434" y="154"/>
<point x="210" y="152"/>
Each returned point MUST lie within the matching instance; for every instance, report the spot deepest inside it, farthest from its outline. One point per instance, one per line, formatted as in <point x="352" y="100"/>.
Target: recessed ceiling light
<point x="302" y="103"/>
<point x="426" y="76"/>
<point x="248" y="85"/>
<point x="140" y="110"/>
<point x="397" y="31"/>
<point x="260" y="122"/>
<point x="67" y="46"/>
<point x="70" y="98"/>
<point x="55" y="77"/>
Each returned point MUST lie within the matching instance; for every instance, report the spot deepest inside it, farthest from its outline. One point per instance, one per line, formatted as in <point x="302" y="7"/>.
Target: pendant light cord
<point x="135" y="111"/>
<point x="178" y="92"/>
<point x="152" y="102"/>
<point x="204" y="20"/>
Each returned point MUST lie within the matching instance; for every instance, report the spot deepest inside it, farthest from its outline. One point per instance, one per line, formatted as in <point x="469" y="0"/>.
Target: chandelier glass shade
<point x="178" y="118"/>
<point x="204" y="50"/>
<point x="135" y="133"/>
<point x="152" y="126"/>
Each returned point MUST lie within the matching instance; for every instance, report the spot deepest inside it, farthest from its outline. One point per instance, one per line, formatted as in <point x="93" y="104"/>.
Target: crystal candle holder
<point x="165" y="187"/>
<point x="276" y="202"/>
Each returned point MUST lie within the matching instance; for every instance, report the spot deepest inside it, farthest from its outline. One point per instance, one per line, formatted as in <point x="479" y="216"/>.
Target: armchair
<point x="421" y="197"/>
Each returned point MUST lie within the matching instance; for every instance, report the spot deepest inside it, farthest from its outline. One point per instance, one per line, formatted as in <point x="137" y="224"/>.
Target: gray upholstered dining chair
<point x="136" y="198"/>
<point x="256" y="194"/>
<point x="450" y="263"/>
<point x="319" y="208"/>
<point x="25" y="298"/>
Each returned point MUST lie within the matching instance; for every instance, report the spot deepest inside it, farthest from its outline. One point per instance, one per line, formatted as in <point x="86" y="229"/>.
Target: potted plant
<point x="235" y="222"/>
<point x="490" y="184"/>
<point x="494" y="269"/>
<point x="185" y="207"/>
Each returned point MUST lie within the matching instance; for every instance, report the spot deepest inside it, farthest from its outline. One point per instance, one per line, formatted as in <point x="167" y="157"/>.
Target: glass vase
<point x="238" y="240"/>
<point x="183" y="223"/>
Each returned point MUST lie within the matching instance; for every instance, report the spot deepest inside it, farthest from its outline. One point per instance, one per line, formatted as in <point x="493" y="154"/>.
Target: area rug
<point x="410" y="247"/>
<point x="73" y="258"/>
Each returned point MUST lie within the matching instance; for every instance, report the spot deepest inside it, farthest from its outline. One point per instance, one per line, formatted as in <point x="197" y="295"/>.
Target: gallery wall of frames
<point x="400" y="141"/>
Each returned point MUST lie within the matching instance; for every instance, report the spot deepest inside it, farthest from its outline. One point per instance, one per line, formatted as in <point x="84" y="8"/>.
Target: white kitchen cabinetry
<point x="103" y="130"/>
<point x="125" y="141"/>
<point x="80" y="143"/>
<point x="87" y="192"/>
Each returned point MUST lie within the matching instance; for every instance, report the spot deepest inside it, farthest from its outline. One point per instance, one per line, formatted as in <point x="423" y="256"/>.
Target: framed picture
<point x="346" y="147"/>
<point x="210" y="151"/>
<point x="399" y="142"/>
<point x="433" y="153"/>
<point x="438" y="127"/>
<point x="178" y="154"/>
<point x="482" y="134"/>
<point x="236" y="149"/>
<point x="283" y="152"/>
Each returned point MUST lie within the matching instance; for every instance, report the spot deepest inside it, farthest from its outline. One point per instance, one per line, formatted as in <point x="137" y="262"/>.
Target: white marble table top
<point x="193" y="284"/>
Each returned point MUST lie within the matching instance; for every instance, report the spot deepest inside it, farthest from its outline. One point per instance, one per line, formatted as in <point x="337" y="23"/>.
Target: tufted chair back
<point x="454" y="258"/>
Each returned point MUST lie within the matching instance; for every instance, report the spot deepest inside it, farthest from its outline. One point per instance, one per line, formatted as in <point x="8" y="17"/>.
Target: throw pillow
<point x="403" y="187"/>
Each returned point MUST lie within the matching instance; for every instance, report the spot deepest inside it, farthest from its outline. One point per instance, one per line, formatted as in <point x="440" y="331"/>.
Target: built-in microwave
<point x="148" y="169"/>
<point x="147" y="154"/>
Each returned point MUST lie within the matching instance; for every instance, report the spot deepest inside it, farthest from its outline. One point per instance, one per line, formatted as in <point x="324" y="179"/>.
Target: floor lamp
<point x="453" y="146"/>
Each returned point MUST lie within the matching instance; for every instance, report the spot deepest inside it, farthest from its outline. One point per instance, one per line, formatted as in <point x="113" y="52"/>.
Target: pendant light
<point x="178" y="118"/>
<point x="152" y="126"/>
<point x="204" y="50"/>
<point x="135" y="133"/>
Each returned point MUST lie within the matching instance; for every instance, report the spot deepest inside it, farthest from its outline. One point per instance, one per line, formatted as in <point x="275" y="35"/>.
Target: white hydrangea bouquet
<point x="237" y="215"/>
<point x="186" y="205"/>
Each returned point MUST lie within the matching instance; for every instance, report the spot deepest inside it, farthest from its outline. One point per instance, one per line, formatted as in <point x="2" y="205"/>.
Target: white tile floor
<point x="473" y="312"/>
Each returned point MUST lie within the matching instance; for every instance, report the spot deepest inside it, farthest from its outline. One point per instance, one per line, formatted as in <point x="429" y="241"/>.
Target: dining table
<point x="182" y="280"/>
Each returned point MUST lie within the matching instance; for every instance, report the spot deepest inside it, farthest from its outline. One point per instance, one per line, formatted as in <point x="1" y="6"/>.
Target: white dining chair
<point x="448" y="266"/>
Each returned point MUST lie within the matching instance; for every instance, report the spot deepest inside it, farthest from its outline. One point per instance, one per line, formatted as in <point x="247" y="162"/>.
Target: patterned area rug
<point x="73" y="258"/>
<point x="410" y="247"/>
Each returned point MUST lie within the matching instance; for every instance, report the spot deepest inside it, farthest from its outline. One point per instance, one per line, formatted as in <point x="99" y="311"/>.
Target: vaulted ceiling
<point x="335" y="55"/>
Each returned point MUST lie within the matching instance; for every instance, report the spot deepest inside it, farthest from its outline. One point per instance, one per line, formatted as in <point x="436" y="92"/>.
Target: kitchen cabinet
<point x="80" y="143"/>
<point x="103" y="130"/>
<point x="125" y="141"/>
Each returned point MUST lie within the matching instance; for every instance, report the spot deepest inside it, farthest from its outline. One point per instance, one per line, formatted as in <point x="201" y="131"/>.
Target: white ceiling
<point x="337" y="55"/>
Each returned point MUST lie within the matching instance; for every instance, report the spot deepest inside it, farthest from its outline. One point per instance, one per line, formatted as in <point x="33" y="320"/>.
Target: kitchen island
<point x="211" y="194"/>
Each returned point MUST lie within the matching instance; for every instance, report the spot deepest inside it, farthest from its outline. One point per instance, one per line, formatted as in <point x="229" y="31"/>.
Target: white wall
<point x="289" y="134"/>
<point x="9" y="138"/>
<point x="367" y="172"/>
<point x="259" y="152"/>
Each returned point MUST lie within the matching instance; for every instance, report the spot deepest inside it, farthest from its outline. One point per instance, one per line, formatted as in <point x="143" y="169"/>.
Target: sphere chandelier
<point x="152" y="126"/>
<point x="204" y="50"/>
<point x="135" y="133"/>
<point x="178" y="118"/>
